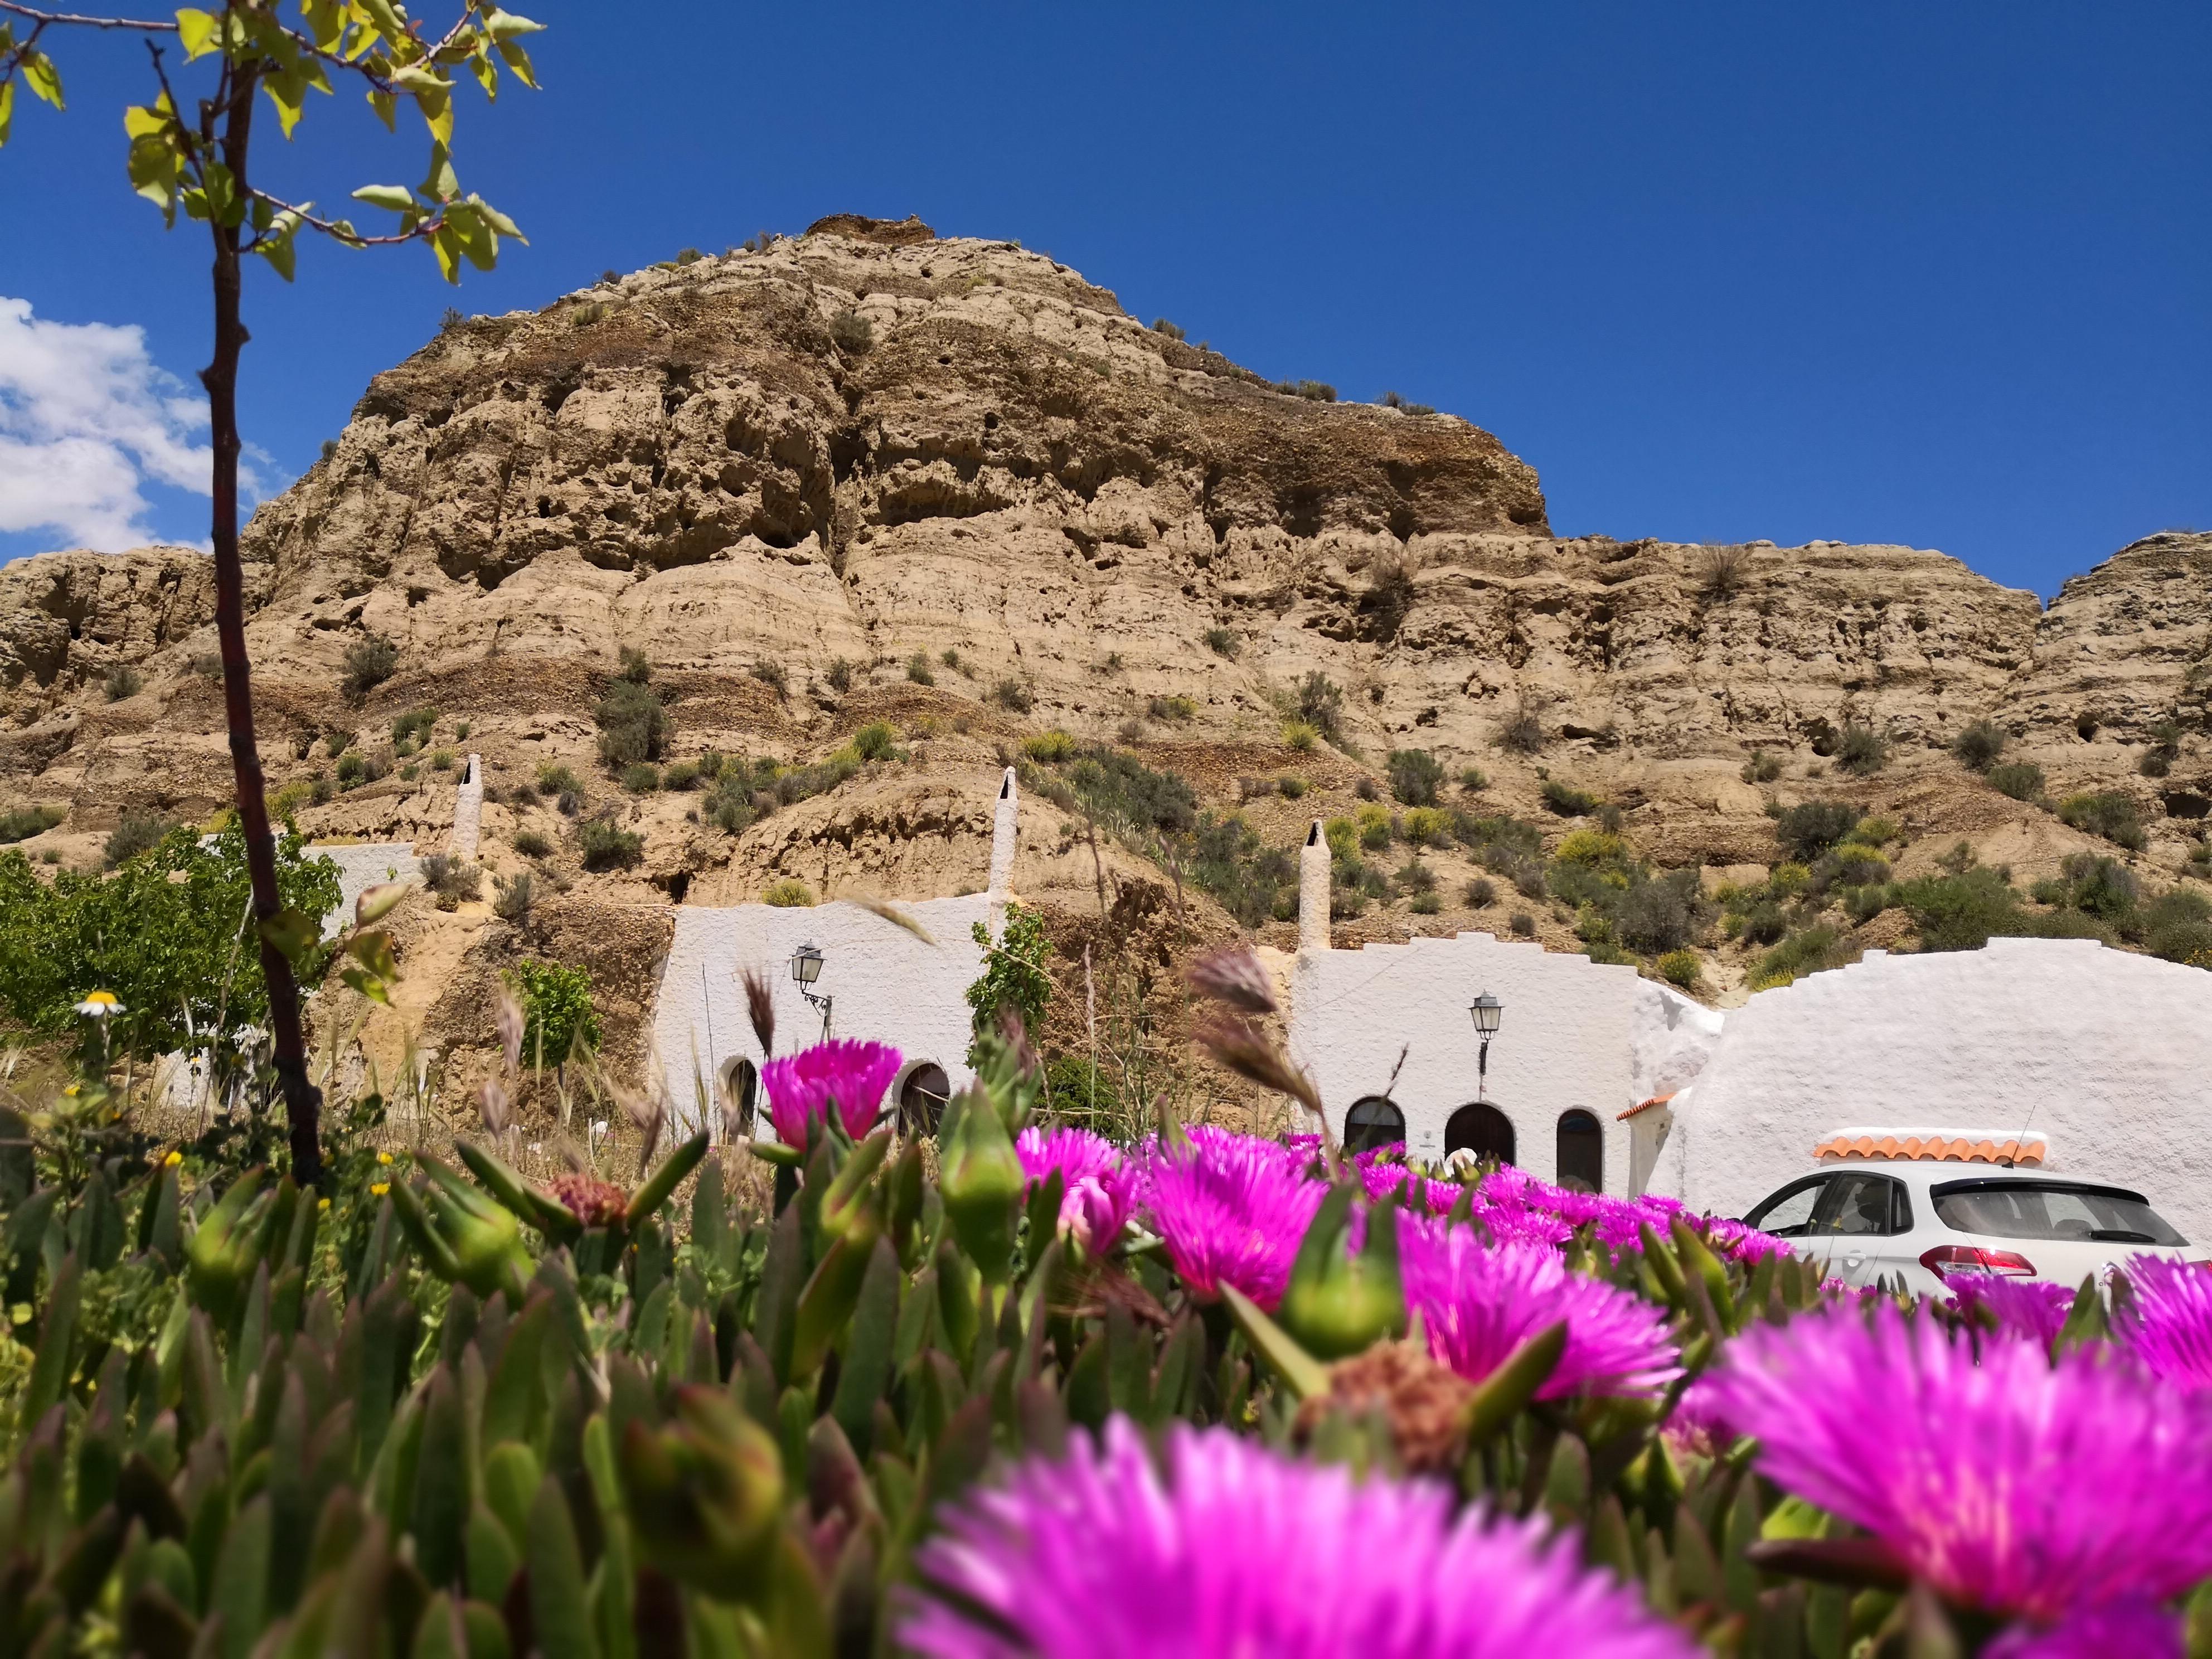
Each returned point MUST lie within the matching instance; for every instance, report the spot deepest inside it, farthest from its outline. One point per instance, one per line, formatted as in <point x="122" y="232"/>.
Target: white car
<point x="1919" y="1222"/>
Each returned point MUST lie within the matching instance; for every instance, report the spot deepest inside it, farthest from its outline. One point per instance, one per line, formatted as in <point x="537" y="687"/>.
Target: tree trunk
<point x="302" y="1100"/>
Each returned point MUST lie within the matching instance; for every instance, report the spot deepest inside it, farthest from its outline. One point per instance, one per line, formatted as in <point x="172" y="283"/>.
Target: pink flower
<point x="2132" y="1628"/>
<point x="1480" y="1301"/>
<point x="2033" y="1308"/>
<point x="801" y="1086"/>
<point x="1234" y="1551"/>
<point x="2011" y="1485"/>
<point x="1098" y="1186"/>
<point x="1231" y="1210"/>
<point x="2168" y="1324"/>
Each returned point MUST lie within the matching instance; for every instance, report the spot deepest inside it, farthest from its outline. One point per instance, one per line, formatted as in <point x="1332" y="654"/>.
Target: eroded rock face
<point x="871" y="447"/>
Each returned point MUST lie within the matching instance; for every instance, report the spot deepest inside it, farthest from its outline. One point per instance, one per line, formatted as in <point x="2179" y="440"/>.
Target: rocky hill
<point x="867" y="475"/>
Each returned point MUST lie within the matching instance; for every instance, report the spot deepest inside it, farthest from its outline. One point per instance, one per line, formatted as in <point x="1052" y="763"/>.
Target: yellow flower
<point x="322" y="1204"/>
<point x="72" y="1091"/>
<point x="379" y="1188"/>
<point x="174" y="1159"/>
<point x="99" y="1004"/>
<point x="384" y="1157"/>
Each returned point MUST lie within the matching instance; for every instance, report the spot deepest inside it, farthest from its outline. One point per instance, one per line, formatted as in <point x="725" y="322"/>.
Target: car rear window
<point x="2049" y="1209"/>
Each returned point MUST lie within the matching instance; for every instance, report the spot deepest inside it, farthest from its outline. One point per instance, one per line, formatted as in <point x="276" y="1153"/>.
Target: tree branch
<point x="345" y="233"/>
<point x="43" y="18"/>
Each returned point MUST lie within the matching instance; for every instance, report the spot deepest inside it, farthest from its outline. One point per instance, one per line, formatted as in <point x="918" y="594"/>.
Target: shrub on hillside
<point x="1320" y="704"/>
<point x="633" y="725"/>
<point x="1176" y="709"/>
<point x="1979" y="746"/>
<point x="1810" y="828"/>
<point x="1761" y="768"/>
<point x="1480" y="893"/>
<point x="1014" y="696"/>
<point x="1862" y="751"/>
<point x="606" y="845"/>
<point x="138" y="831"/>
<point x="1681" y="968"/>
<point x="876" y="741"/>
<point x="533" y="845"/>
<point x="1416" y="776"/>
<point x="789" y="894"/>
<point x="918" y="669"/>
<point x="124" y="681"/>
<point x="1522" y="731"/>
<point x="2111" y="815"/>
<point x="1566" y="800"/>
<point x="1223" y="642"/>
<point x="369" y="663"/>
<point x="640" y="778"/>
<point x="1809" y="952"/>
<point x="512" y="896"/>
<point x="558" y="1015"/>
<point x="2022" y="779"/>
<point x="22" y="823"/>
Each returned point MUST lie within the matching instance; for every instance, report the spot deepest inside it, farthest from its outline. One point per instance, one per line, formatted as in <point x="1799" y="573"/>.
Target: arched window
<point x="1480" y="1129"/>
<point x="1581" y="1152"/>
<point x="1373" y="1121"/>
<point x="740" y="1085"/>
<point x="922" y="1098"/>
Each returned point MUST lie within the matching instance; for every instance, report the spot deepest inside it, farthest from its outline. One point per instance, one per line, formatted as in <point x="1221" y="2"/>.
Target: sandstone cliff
<point x="868" y="474"/>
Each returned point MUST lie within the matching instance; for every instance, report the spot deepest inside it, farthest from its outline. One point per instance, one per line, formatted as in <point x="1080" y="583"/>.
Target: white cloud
<point x="86" y="417"/>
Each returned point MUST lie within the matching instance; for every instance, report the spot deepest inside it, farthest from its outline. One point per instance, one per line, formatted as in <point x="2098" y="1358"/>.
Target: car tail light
<point x="1972" y="1259"/>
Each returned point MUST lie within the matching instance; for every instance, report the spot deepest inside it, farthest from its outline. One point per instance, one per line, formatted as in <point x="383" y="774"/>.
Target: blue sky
<point x="1934" y="274"/>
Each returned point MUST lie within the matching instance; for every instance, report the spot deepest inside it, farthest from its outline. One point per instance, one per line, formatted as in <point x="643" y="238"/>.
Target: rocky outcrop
<point x="868" y="473"/>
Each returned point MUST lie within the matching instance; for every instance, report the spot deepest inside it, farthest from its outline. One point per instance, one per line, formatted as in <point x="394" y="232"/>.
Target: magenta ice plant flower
<point x="1479" y="1301"/>
<point x="801" y="1086"/>
<point x="1232" y="1550"/>
<point x="2135" y="1629"/>
<point x="1231" y="1209"/>
<point x="2168" y="1321"/>
<point x="2033" y="1308"/>
<point x="2011" y="1485"/>
<point x="1098" y="1186"/>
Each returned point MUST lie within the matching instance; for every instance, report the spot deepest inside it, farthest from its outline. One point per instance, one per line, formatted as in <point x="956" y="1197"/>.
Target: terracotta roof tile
<point x="2027" y="1154"/>
<point x="1646" y="1105"/>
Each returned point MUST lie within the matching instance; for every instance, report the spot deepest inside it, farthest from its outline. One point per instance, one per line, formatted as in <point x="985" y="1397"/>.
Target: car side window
<point x="1857" y="1205"/>
<point x="1788" y="1213"/>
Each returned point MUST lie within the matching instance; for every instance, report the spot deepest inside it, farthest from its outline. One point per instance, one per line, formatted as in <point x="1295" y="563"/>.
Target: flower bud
<point x="1337" y="1304"/>
<point x="483" y="1234"/>
<point x="981" y="1185"/>
<point x="706" y="1492"/>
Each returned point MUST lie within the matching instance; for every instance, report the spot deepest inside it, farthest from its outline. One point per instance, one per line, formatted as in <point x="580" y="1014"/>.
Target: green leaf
<point x="41" y="76"/>
<point x="557" y="1606"/>
<point x="7" y="108"/>
<point x="196" y="29"/>
<point x="519" y="61"/>
<point x="1514" y="1383"/>
<point x="398" y="199"/>
<point x="373" y="950"/>
<point x="293" y="935"/>
<point x="507" y="25"/>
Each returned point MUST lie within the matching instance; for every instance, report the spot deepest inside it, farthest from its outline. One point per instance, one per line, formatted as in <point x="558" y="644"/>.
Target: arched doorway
<point x="1373" y="1121"/>
<point x="1482" y="1130"/>
<point x="740" y="1087"/>
<point x="922" y="1098"/>
<point x="1581" y="1152"/>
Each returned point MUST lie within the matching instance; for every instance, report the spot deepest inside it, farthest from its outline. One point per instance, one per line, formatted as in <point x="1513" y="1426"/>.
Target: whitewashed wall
<point x="360" y="866"/>
<point x="1565" y="1039"/>
<point x="889" y="986"/>
<point x="2107" y="1054"/>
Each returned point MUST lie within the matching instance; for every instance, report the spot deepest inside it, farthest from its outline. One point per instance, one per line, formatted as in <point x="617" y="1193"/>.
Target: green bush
<point x="1014" y="696"/>
<point x="1683" y="969"/>
<point x="1809" y="952"/>
<point x="773" y="675"/>
<point x="450" y="881"/>
<point x="22" y="823"/>
<point x="640" y="778"/>
<point x="1176" y="709"/>
<point x="160" y="934"/>
<point x="839" y="674"/>
<point x="1427" y="826"/>
<point x="1810" y="828"/>
<point x="413" y="727"/>
<point x="1862" y="751"/>
<point x="1416" y="776"/>
<point x="633" y="725"/>
<point x="1473" y="780"/>
<point x="1480" y="893"/>
<point x="1320" y="703"/>
<point x="1228" y="861"/>
<point x="1965" y="909"/>
<point x="876" y="741"/>
<point x="554" y="780"/>
<point x="1300" y="736"/>
<point x="788" y="894"/>
<point x="2022" y="779"/>
<point x="1522" y="925"/>
<point x="136" y="832"/>
<point x="606" y="846"/>
<point x="1291" y="786"/>
<point x="1223" y="642"/>
<point x="441" y="760"/>
<point x="852" y="333"/>
<point x="124" y="681"/>
<point x="1425" y="904"/>
<point x="680" y="775"/>
<point x="512" y="896"/>
<point x="369" y="663"/>
<point x="1979" y="746"/>
<point x="557" y="1014"/>
<point x="918" y="669"/>
<point x="1565" y="800"/>
<point x="532" y="845"/>
<point x="1761" y="768"/>
<point x="1053" y="745"/>
<point x="2111" y="815"/>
